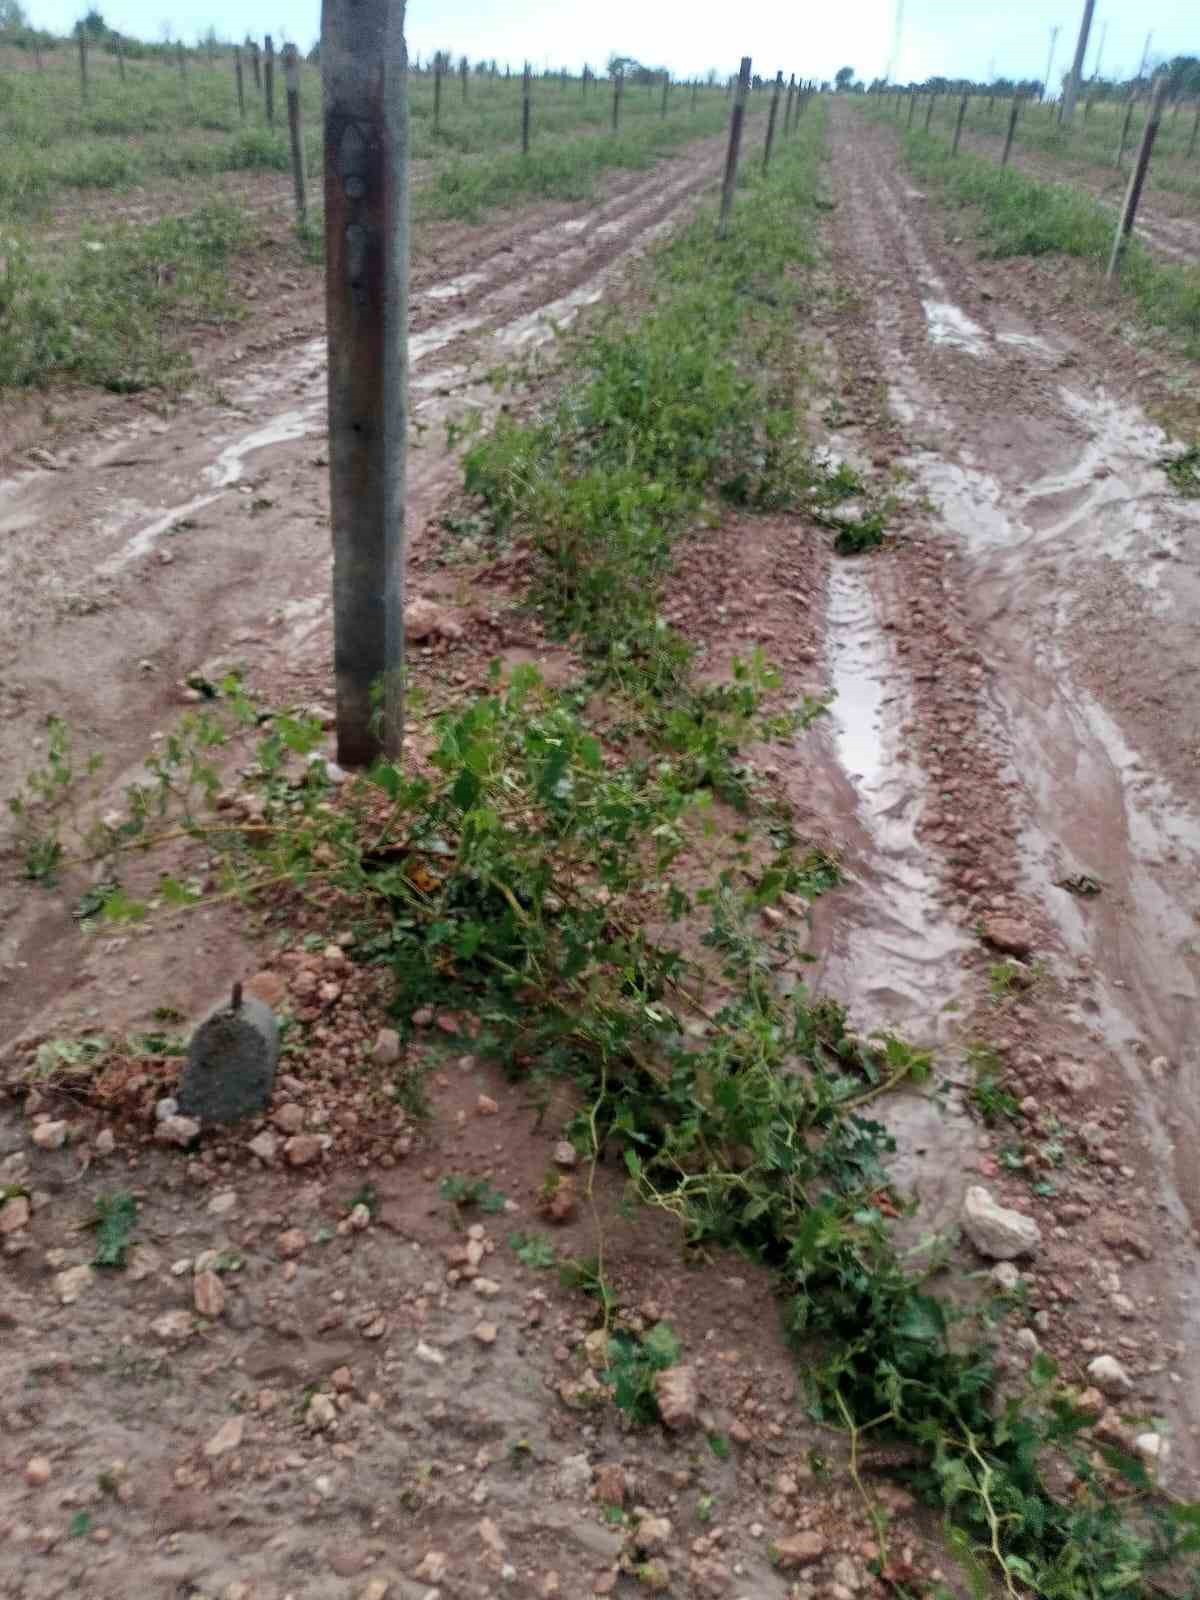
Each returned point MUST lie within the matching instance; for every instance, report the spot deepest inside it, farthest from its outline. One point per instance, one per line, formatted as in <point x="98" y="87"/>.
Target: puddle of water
<point x="902" y="965"/>
<point x="950" y="325"/>
<point x="453" y="287"/>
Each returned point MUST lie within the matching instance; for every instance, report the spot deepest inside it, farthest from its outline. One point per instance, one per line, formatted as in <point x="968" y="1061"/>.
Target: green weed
<point x="633" y="1363"/>
<point x="1184" y="471"/>
<point x="467" y="1192"/>
<point x="533" y="1250"/>
<point x="114" y="1222"/>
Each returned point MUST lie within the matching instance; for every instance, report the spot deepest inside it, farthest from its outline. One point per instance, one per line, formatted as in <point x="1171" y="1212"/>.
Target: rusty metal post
<point x="240" y="81"/>
<point x="83" y="63"/>
<point x="736" y="118"/>
<point x="771" y="116"/>
<point x="291" y="76"/>
<point x="1138" y="176"/>
<point x="364" y="68"/>
<point x="269" y="78"/>
<point x="1125" y="126"/>
<point x="1012" y="129"/>
<point x="958" y="125"/>
<point x="618" y="81"/>
<point x="525" y="112"/>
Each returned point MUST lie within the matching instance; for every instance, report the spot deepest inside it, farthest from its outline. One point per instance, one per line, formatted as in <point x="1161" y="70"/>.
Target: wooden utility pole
<point x="269" y="78"/>
<point x="1012" y="129"/>
<point x="364" y="72"/>
<point x="1071" y="92"/>
<point x="929" y="111"/>
<point x="958" y="125"/>
<point x="437" y="90"/>
<point x="525" y="112"/>
<point x="119" y="48"/>
<point x="618" y="80"/>
<point x="240" y="81"/>
<point x="1126" y="121"/>
<point x="83" y="63"/>
<point x="1138" y="176"/>
<point x="771" y="116"/>
<point x="736" y="117"/>
<point x="291" y="76"/>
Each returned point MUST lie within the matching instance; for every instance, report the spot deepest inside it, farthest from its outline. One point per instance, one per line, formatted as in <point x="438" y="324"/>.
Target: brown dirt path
<point x="1019" y="698"/>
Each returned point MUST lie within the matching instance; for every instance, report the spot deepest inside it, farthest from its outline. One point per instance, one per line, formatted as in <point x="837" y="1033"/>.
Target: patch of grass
<point x="106" y="316"/>
<point x="467" y="1192"/>
<point x="1184" y="471"/>
<point x="1019" y="215"/>
<point x="533" y="1250"/>
<point x="114" y="1222"/>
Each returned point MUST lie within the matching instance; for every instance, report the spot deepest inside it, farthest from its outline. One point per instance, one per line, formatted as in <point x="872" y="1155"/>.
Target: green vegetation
<point x="519" y="875"/>
<point x="114" y="1222"/>
<point x="1018" y="215"/>
<point x="106" y="312"/>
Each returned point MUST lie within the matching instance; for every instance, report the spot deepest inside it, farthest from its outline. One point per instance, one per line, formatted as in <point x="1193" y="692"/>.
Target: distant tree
<point x="844" y="77"/>
<point x="12" y="16"/>
<point x="94" y="25"/>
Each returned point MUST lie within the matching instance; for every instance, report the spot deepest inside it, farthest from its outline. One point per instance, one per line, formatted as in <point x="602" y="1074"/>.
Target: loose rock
<point x="302" y="1149"/>
<point x="1109" y="1376"/>
<point x="208" y="1294"/>
<point x="14" y="1214"/>
<point x="49" y="1135"/>
<point x="1009" y="934"/>
<point x="675" y="1391"/>
<point x="227" y="1437"/>
<point x="798" y="1550"/>
<point x="994" y="1230"/>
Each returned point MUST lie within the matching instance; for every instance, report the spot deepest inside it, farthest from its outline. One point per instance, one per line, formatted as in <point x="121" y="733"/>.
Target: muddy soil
<point x="387" y="1399"/>
<point x="1019" y="706"/>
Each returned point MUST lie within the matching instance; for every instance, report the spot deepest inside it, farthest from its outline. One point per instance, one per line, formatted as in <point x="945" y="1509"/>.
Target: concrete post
<point x="1138" y="176"/>
<point x="912" y="106"/>
<point x="695" y="91"/>
<point x="1191" y="149"/>
<point x="364" y="67"/>
<point x="437" y="91"/>
<point x="463" y="68"/>
<point x="771" y="116"/>
<point x="618" y="80"/>
<point x="666" y="90"/>
<point x="787" y="110"/>
<point x="929" y="111"/>
<point x="181" y="57"/>
<point x="256" y="65"/>
<point x="1071" y="91"/>
<point x="83" y="64"/>
<point x="958" y="125"/>
<point x="269" y="78"/>
<point x="120" y="53"/>
<point x="736" y="117"/>
<point x="525" y="112"/>
<point x="240" y="81"/>
<point x="1126" y="124"/>
<point x="291" y="73"/>
<point x="1012" y="130"/>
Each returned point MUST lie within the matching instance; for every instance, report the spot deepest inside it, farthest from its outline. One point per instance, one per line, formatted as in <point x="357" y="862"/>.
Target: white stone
<point x="1109" y="1376"/>
<point x="994" y="1230"/>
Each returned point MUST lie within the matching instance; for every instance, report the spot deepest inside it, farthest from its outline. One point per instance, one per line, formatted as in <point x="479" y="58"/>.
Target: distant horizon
<point x="1008" y="42"/>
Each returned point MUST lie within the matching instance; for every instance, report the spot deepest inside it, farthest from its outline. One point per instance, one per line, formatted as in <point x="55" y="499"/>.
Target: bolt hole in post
<point x="364" y="69"/>
<point x="291" y="72"/>
<point x="736" y="117"/>
<point x="1137" y="177"/>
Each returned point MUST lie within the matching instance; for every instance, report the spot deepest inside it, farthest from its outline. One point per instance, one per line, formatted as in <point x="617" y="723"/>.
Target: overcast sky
<point x="948" y="37"/>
